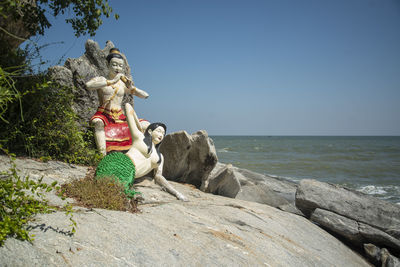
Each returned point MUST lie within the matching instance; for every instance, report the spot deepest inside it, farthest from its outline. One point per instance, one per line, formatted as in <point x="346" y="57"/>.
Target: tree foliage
<point x="36" y="116"/>
<point x="85" y="16"/>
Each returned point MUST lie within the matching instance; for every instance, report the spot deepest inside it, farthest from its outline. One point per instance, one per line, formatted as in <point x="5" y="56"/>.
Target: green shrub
<point x="20" y="200"/>
<point x="49" y="128"/>
<point x="8" y="92"/>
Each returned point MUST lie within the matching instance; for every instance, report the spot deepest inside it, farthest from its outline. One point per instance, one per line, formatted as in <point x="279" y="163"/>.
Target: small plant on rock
<point x="104" y="193"/>
<point x="20" y="200"/>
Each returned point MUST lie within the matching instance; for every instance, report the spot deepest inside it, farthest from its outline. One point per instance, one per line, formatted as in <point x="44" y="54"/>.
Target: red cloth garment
<point x="118" y="136"/>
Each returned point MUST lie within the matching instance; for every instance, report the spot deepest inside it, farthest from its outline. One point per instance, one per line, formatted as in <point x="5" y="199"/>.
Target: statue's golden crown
<point x="115" y="51"/>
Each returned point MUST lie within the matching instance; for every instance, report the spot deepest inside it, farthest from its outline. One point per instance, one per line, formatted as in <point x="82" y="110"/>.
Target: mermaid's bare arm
<point x="134" y="125"/>
<point x="160" y="179"/>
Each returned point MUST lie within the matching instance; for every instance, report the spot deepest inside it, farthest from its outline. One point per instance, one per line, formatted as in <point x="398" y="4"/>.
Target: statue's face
<point x="157" y="135"/>
<point x="116" y="66"/>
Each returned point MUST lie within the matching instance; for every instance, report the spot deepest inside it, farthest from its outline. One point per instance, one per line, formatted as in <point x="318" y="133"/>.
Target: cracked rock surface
<point x="209" y="230"/>
<point x="358" y="217"/>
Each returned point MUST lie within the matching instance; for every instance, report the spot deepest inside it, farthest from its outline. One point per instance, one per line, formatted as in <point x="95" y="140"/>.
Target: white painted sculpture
<point x="142" y="159"/>
<point x="109" y="116"/>
<point x="145" y="153"/>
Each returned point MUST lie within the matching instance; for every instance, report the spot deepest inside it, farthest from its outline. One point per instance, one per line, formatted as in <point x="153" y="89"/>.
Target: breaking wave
<point x="226" y="150"/>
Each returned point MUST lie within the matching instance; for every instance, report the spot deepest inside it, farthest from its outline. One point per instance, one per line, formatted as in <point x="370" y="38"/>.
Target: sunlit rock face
<point x="209" y="230"/>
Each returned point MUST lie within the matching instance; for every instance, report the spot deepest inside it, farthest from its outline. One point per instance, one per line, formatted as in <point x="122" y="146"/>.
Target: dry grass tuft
<point x="105" y="193"/>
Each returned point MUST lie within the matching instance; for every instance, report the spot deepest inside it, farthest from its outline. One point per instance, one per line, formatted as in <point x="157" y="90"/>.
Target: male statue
<point x="110" y="128"/>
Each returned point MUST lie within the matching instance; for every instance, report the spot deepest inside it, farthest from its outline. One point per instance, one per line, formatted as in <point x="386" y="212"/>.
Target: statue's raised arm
<point x="111" y="129"/>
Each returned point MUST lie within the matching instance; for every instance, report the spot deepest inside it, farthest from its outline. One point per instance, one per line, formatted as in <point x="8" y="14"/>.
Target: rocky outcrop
<point x="209" y="230"/>
<point x="381" y="257"/>
<point x="357" y="217"/>
<point x="77" y="71"/>
<point x="356" y="232"/>
<point x="243" y="184"/>
<point x="281" y="187"/>
<point x="192" y="159"/>
<point x="188" y="158"/>
<point x="224" y="182"/>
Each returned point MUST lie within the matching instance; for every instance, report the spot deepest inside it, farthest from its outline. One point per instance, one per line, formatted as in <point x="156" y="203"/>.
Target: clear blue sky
<point x="257" y="67"/>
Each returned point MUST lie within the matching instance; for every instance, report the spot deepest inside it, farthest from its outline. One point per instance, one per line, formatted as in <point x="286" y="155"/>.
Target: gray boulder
<point x="243" y="184"/>
<point x="224" y="183"/>
<point x="383" y="215"/>
<point x="77" y="71"/>
<point x="356" y="232"/>
<point x="373" y="253"/>
<point x="51" y="171"/>
<point x="381" y="257"/>
<point x="188" y="158"/>
<point x="261" y="194"/>
<point x="281" y="187"/>
<point x="388" y="260"/>
<point x="209" y="230"/>
<point x="358" y="217"/>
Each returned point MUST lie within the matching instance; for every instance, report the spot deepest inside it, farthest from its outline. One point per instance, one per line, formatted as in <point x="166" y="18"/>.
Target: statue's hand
<point x="117" y="77"/>
<point x="181" y="197"/>
<point x="141" y="93"/>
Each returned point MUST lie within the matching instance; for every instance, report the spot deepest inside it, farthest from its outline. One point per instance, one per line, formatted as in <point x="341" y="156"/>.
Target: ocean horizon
<point x="369" y="164"/>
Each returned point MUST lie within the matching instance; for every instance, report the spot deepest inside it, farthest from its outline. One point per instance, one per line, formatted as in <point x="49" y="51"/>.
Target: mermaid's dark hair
<point x="147" y="137"/>
<point x="114" y="52"/>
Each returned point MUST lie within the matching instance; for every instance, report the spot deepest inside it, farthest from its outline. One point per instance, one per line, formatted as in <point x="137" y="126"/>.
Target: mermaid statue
<point x="142" y="158"/>
<point x="111" y="131"/>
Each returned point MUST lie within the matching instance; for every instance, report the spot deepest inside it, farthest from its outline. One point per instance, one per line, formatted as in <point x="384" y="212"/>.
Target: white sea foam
<point x="373" y="190"/>
<point x="225" y="150"/>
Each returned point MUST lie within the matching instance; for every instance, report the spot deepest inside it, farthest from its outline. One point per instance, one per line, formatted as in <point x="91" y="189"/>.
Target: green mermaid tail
<point x="120" y="167"/>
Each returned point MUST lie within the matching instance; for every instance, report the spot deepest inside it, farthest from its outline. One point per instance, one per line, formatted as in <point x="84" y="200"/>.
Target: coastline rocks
<point x="51" y="171"/>
<point x="243" y="184"/>
<point x="188" y="158"/>
<point x="208" y="230"/>
<point x="357" y="217"/>
<point x="281" y="187"/>
<point x="383" y="215"/>
<point x="356" y="232"/>
<point x="224" y="183"/>
<point x="261" y="194"/>
<point x="381" y="257"/>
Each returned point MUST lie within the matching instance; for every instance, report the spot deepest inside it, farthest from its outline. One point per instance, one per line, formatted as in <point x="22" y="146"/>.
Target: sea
<point x="369" y="164"/>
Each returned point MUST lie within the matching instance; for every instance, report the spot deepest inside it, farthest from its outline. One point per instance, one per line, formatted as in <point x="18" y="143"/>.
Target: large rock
<point x="378" y="213"/>
<point x="261" y="194"/>
<point x="388" y="260"/>
<point x="354" y="215"/>
<point x="243" y="184"/>
<point x="208" y="230"/>
<point x="381" y="257"/>
<point x="77" y="71"/>
<point x="281" y="187"/>
<point x="224" y="183"/>
<point x="51" y="171"/>
<point x="188" y="158"/>
<point x="357" y="232"/>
